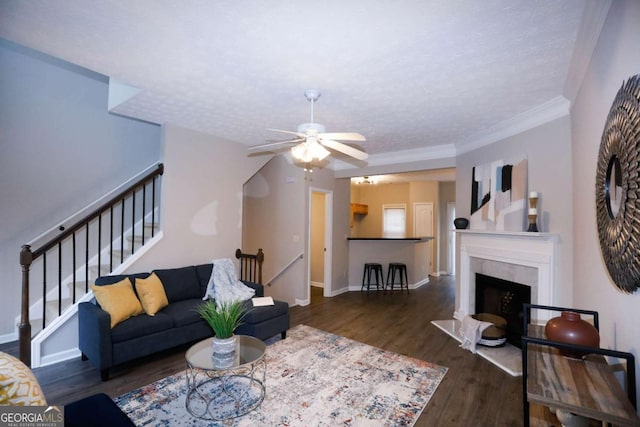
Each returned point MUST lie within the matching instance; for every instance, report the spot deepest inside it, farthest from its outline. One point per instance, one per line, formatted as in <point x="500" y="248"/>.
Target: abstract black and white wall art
<point x="499" y="196"/>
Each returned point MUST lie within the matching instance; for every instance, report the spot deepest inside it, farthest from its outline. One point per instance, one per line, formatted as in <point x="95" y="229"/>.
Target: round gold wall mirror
<point x="618" y="188"/>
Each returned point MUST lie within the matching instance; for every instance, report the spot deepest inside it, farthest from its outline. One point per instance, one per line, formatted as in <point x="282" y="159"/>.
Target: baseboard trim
<point x="339" y="291"/>
<point x="8" y="338"/>
<point x="61" y="356"/>
<point x="302" y="302"/>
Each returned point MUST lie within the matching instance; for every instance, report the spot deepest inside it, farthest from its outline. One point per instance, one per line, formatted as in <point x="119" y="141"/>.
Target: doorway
<point x="320" y="233"/>
<point x="451" y="239"/>
<point x="423" y="226"/>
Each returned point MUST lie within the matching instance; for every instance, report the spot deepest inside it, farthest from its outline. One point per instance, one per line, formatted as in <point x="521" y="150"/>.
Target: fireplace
<point x="521" y="257"/>
<point x="503" y="298"/>
<point x="526" y="258"/>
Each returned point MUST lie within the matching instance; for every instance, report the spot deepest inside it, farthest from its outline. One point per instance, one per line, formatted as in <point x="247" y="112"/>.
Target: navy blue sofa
<point x="176" y="324"/>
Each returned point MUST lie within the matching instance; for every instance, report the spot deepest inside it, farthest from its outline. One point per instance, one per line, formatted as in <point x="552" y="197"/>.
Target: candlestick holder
<point x="533" y="212"/>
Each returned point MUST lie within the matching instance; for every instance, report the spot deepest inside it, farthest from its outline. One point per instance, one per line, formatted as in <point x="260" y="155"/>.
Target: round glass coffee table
<point x="215" y="393"/>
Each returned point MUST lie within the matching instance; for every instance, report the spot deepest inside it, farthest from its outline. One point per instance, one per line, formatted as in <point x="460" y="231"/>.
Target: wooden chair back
<point x="251" y="266"/>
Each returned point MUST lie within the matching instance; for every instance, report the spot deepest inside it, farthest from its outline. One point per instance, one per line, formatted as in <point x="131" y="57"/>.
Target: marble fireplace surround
<point x="526" y="258"/>
<point x="522" y="257"/>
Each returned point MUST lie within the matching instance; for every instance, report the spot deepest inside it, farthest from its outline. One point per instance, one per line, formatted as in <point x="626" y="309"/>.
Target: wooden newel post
<point x="260" y="259"/>
<point x="26" y="257"/>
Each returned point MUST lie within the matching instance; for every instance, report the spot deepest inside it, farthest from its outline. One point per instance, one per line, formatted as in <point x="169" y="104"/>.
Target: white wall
<point x="615" y="59"/>
<point x="202" y="199"/>
<point x="548" y="152"/>
<point x="340" y="192"/>
<point x="274" y="220"/>
<point x="59" y="151"/>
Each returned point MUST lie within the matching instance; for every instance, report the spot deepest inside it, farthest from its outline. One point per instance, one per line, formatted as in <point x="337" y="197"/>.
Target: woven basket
<point x="495" y="335"/>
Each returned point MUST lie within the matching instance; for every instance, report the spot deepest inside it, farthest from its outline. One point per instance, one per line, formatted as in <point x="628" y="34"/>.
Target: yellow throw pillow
<point x="151" y="293"/>
<point x="118" y="300"/>
<point x="18" y="385"/>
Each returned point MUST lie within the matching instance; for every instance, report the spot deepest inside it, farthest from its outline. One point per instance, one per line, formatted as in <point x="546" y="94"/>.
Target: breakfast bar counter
<point x="412" y="251"/>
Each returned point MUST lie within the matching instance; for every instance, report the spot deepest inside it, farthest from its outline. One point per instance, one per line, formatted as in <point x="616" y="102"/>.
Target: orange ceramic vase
<point x="571" y="329"/>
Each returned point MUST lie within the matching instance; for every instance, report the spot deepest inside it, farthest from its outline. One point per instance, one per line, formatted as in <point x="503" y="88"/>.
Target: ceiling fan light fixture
<point x="309" y="151"/>
<point x="313" y="139"/>
<point x="311" y="128"/>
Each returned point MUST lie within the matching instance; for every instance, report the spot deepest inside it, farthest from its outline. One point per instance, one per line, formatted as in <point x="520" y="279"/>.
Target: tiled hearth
<point x="527" y="258"/>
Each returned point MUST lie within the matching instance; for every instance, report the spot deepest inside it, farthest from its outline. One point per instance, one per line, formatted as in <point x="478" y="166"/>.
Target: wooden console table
<point x="586" y="387"/>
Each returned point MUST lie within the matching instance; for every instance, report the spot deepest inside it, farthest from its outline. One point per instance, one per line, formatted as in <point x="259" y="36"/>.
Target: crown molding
<point x="551" y="110"/>
<point x="404" y="156"/>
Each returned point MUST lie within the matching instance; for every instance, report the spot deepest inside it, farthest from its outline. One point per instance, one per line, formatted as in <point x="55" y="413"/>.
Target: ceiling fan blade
<point x="343" y="148"/>
<point x="344" y="136"/>
<point x="301" y="135"/>
<point x="271" y="146"/>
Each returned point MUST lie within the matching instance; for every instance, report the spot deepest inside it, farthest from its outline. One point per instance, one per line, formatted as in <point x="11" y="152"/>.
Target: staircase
<point x="57" y="303"/>
<point x="105" y="241"/>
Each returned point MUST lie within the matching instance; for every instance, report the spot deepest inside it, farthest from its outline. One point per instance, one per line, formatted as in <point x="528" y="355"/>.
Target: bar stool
<point x="376" y="269"/>
<point x="401" y="269"/>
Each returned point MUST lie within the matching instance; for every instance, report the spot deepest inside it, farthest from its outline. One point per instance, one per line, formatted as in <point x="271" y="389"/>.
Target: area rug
<point x="314" y="378"/>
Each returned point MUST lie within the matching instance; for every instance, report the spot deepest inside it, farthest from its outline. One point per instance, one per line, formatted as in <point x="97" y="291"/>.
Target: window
<point x="393" y="220"/>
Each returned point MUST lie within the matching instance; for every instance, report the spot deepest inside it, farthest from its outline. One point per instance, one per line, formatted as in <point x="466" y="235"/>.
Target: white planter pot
<point x="224" y="345"/>
<point x="224" y="352"/>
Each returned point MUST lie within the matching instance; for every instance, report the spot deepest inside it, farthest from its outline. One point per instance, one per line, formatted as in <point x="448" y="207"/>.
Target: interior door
<point x="451" y="247"/>
<point x="423" y="226"/>
<point x="317" y="239"/>
<point x="423" y="219"/>
<point x="320" y="246"/>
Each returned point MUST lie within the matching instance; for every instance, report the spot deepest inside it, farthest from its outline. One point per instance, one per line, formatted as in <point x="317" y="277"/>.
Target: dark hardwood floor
<point x="473" y="393"/>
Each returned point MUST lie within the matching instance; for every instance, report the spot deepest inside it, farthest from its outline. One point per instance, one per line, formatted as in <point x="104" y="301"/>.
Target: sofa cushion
<point x="140" y="326"/>
<point x="260" y="314"/>
<point x="151" y="294"/>
<point x="184" y="312"/>
<point x="180" y="283"/>
<point x="109" y="280"/>
<point x="204" y="274"/>
<point x="118" y="300"/>
<point x="18" y="385"/>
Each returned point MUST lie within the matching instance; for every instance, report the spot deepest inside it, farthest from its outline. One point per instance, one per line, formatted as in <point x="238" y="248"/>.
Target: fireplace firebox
<point x="503" y="298"/>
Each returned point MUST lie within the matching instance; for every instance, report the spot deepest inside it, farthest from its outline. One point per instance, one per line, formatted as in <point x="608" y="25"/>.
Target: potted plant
<point x="223" y="318"/>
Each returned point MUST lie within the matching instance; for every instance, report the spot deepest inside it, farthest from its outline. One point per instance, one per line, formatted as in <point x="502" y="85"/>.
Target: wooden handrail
<point x="285" y="268"/>
<point x="68" y="231"/>
<point x="27" y="255"/>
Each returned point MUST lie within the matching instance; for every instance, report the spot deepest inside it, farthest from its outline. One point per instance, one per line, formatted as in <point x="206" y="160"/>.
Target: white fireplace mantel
<point x="536" y="250"/>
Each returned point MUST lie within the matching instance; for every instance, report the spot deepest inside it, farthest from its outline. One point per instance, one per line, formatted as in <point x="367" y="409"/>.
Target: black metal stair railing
<point x="125" y="215"/>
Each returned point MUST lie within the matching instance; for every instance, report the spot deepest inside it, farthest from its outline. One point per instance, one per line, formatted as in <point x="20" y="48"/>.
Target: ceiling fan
<point x="312" y="140"/>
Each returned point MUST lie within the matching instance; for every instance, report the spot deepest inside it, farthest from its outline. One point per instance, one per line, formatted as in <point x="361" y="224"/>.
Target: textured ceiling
<point x="407" y="75"/>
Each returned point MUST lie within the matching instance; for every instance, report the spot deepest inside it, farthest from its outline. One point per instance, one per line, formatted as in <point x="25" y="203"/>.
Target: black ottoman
<point x="266" y="321"/>
<point x="98" y="410"/>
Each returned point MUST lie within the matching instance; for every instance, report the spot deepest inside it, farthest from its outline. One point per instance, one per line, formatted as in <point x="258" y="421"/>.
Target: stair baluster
<point x="61" y="244"/>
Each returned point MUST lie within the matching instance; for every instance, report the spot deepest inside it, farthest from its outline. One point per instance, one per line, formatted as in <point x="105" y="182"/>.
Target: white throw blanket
<point x="471" y="332"/>
<point x="224" y="286"/>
